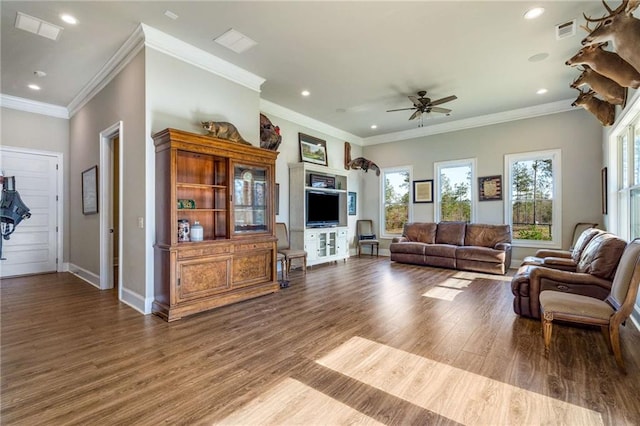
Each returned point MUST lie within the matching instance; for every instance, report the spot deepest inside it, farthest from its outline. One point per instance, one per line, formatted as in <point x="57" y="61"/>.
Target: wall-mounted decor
<point x="603" y="177"/>
<point x="322" y="181"/>
<point x="312" y="150"/>
<point x="352" y="202"/>
<point x="277" y="204"/>
<point x="490" y="188"/>
<point x="423" y="191"/>
<point x="90" y="190"/>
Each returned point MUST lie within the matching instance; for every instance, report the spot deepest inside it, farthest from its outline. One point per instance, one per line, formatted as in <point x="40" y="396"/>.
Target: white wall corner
<point x="269" y="107"/>
<point x="22" y="104"/>
<point x="635" y="316"/>
<point x="85" y="275"/>
<point x="190" y="54"/>
<point x="136" y="301"/>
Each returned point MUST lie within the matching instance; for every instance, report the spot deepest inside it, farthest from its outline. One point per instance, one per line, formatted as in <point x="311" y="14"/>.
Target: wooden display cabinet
<point x="229" y="189"/>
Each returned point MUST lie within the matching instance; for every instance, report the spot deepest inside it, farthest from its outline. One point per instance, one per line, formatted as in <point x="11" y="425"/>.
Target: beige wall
<point x="123" y="99"/>
<point x="22" y="129"/>
<point x="576" y="133"/>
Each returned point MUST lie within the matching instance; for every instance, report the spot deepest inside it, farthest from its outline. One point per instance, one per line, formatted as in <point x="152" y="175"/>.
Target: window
<point x="628" y="179"/>
<point x="455" y="190"/>
<point x="396" y="209"/>
<point x="532" y="202"/>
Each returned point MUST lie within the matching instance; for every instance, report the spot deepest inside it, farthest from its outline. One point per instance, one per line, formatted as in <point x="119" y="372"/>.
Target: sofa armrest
<point x="506" y="247"/>
<point x="553" y="253"/>
<point x="563" y="263"/>
<point x="539" y="273"/>
<point x="399" y="240"/>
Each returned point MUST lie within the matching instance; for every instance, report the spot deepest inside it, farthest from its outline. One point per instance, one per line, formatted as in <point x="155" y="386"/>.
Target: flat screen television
<point x="323" y="209"/>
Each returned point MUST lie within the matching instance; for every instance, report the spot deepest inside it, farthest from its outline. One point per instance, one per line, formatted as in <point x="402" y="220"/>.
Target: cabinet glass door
<point x="250" y="199"/>
<point x="332" y="243"/>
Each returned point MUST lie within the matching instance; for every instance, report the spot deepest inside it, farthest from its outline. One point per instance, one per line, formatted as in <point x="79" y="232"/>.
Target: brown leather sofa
<point x="592" y="275"/>
<point x="456" y="245"/>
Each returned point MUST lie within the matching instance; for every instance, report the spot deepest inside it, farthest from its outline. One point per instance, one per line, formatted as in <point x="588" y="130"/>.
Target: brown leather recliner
<point x="592" y="277"/>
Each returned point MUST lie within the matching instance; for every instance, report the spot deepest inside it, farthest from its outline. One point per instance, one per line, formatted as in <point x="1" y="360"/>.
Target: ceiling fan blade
<point x="415" y="114"/>
<point x="401" y="109"/>
<point x="441" y="110"/>
<point x="443" y="100"/>
<point x="416" y="101"/>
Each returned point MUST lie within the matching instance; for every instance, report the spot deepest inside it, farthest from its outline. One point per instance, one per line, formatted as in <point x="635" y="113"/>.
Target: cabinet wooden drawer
<point x="253" y="246"/>
<point x="186" y="253"/>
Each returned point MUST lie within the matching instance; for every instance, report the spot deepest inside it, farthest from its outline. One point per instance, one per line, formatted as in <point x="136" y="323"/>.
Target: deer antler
<point x="586" y="26"/>
<point x="631" y="6"/>
<point x="616" y="11"/>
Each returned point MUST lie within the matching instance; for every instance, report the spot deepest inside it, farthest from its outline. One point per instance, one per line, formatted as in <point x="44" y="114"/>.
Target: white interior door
<point x="32" y="248"/>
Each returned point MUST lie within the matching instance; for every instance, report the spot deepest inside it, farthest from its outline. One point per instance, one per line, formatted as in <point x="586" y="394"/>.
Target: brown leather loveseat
<point x="457" y="245"/>
<point x="588" y="272"/>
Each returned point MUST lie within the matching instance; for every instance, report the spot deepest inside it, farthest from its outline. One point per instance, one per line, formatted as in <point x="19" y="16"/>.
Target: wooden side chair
<point x="285" y="248"/>
<point x="609" y="314"/>
<point x="366" y="236"/>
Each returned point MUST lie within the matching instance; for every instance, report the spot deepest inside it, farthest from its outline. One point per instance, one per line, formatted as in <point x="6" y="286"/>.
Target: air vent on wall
<point x="567" y="29"/>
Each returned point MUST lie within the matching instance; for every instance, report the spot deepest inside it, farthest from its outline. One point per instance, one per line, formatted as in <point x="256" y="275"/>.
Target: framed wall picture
<point x="603" y="177"/>
<point x="312" y="150"/>
<point x="423" y="191"/>
<point x="90" y="190"/>
<point x="352" y="202"/>
<point x="490" y="188"/>
<point x="277" y="200"/>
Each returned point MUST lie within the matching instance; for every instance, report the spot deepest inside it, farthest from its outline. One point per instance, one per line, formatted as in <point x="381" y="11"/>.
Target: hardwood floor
<point x="366" y="341"/>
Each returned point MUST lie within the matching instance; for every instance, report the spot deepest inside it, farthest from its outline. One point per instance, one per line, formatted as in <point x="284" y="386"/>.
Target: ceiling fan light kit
<point x="424" y="105"/>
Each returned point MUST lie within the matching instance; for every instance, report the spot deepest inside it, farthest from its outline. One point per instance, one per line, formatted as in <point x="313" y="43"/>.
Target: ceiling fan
<point x="426" y="105"/>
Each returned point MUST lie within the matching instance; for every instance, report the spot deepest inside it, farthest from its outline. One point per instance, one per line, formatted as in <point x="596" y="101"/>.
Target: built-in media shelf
<point x="318" y="212"/>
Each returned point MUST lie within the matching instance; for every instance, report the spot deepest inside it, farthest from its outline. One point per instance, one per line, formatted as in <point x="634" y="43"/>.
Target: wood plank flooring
<point x="368" y="341"/>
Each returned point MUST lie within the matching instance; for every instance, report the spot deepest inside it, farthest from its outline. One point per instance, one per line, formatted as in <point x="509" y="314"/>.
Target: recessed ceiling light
<point x="538" y="57"/>
<point x="39" y="73"/>
<point x="542" y="91"/>
<point x="534" y="13"/>
<point x="374" y="126"/>
<point x="33" y="87"/>
<point x="68" y="19"/>
<point x="305" y="93"/>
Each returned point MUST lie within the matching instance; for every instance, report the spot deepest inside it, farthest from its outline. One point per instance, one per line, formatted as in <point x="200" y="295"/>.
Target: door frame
<point x="60" y="193"/>
<point x="106" y="194"/>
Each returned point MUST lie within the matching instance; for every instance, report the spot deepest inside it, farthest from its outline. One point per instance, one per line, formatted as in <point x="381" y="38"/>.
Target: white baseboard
<point x="85" y="275"/>
<point x="136" y="301"/>
<point x="64" y="267"/>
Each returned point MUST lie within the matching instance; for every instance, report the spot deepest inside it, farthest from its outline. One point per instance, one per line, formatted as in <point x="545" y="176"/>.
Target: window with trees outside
<point x="396" y="208"/>
<point x="628" y="181"/>
<point x="532" y="206"/>
<point x="455" y="190"/>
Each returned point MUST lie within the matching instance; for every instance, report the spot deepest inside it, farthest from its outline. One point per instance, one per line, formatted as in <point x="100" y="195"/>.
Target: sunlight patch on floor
<point x="466" y="275"/>
<point x="459" y="395"/>
<point x="448" y="289"/>
<point x="294" y="403"/>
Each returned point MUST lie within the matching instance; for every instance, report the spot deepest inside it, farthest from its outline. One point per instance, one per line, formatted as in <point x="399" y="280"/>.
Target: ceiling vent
<point x="235" y="41"/>
<point x="38" y="26"/>
<point x="565" y="30"/>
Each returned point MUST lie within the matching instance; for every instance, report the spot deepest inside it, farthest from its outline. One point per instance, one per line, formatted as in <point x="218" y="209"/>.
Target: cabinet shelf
<point x="199" y="186"/>
<point x="202" y="210"/>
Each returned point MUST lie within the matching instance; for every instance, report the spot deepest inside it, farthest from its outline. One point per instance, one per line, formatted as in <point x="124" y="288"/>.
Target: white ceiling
<point x="358" y="59"/>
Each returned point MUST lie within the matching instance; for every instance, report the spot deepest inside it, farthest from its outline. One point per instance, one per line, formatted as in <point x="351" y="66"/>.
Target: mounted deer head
<point x="621" y="28"/>
<point x="608" y="64"/>
<point x="611" y="91"/>
<point x="604" y="111"/>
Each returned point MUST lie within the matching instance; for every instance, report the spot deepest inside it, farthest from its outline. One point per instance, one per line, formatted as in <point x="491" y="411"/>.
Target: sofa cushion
<point x="410" y="248"/>
<point x="486" y="235"/>
<point x="441" y="250"/>
<point x="582" y="242"/>
<point x="482" y="254"/>
<point x="420" y="232"/>
<point x="451" y="233"/>
<point x="601" y="256"/>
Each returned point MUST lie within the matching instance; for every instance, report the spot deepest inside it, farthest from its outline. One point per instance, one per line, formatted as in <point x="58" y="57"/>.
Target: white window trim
<point x="556" y="227"/>
<point x="474" y="185"/>
<point x="382" y="188"/>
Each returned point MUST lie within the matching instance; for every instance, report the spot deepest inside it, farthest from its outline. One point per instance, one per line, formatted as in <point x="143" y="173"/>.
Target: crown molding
<point x="22" y="104"/>
<point x="303" y="120"/>
<point x="118" y="61"/>
<point x="470" y="123"/>
<point x="190" y="54"/>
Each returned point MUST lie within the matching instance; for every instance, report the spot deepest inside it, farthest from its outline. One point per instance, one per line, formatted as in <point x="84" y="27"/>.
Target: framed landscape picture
<point x="312" y="150"/>
<point x="352" y="202"/>
<point x="423" y="191"/>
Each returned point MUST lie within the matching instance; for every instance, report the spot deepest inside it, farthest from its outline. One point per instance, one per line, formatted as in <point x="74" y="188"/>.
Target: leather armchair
<point x="566" y="260"/>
